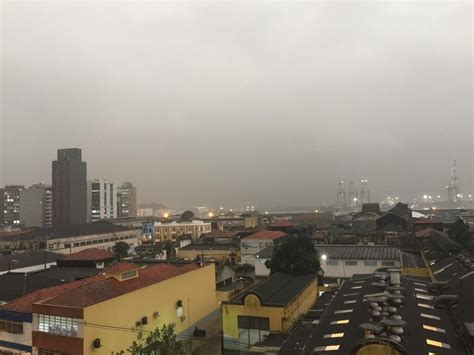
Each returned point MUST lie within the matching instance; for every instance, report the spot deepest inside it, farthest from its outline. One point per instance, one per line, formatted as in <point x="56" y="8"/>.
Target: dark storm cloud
<point x="240" y="103"/>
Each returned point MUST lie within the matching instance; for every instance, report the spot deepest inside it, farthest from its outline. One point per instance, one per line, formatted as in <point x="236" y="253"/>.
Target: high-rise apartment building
<point x="69" y="188"/>
<point x="2" y="204"/>
<point x="102" y="200"/>
<point x="11" y="205"/>
<point x="36" y="206"/>
<point x="127" y="200"/>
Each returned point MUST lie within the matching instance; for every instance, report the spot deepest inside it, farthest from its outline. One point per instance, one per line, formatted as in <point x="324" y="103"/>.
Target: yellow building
<point x="105" y="315"/>
<point x="273" y="305"/>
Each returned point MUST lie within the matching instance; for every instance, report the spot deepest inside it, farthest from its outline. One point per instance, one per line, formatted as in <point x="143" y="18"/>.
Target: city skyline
<point x="268" y="105"/>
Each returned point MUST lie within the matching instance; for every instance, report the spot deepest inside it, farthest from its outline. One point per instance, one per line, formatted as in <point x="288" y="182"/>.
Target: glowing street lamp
<point x="324" y="257"/>
<point x="166" y="215"/>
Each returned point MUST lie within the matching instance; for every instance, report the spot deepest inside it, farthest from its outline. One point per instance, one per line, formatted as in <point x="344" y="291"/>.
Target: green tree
<point x="459" y="231"/>
<point x="161" y="341"/>
<point x="296" y="255"/>
<point x="121" y="248"/>
<point x="186" y="216"/>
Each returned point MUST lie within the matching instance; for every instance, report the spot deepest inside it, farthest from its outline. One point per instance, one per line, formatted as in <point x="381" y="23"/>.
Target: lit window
<point x="326" y="348"/>
<point x="438" y="344"/>
<point x="433" y="329"/>
<point x="424" y="297"/>
<point x="429" y="316"/>
<point x="424" y="305"/>
<point x="343" y="311"/>
<point x="350" y="263"/>
<point x="334" y="335"/>
<point x="339" y="322"/>
<point x="420" y="290"/>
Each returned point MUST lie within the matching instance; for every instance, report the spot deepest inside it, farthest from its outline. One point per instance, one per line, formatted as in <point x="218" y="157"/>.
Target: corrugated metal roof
<point x="358" y="252"/>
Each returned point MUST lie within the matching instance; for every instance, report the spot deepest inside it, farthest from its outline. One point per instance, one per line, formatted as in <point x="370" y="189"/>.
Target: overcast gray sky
<point x="240" y="103"/>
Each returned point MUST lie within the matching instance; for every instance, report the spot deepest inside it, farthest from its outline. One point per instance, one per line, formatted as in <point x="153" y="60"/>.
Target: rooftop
<point x="17" y="284"/>
<point x="358" y="252"/>
<point x="91" y="254"/>
<point x="100" y="290"/>
<point x="210" y="246"/>
<point x="350" y="308"/>
<point x="283" y="224"/>
<point x="27" y="259"/>
<point x="278" y="290"/>
<point x="66" y="232"/>
<point x="266" y="235"/>
<point x="94" y="289"/>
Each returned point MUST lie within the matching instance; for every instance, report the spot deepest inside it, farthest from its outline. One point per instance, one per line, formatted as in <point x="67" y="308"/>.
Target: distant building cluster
<point x="71" y="199"/>
<point x="352" y="197"/>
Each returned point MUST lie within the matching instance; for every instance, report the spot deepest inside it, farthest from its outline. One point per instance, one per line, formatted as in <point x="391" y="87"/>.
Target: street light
<point x="324" y="257"/>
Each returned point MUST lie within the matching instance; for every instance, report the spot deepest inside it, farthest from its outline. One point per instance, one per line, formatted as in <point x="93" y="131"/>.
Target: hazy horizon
<point x="235" y="104"/>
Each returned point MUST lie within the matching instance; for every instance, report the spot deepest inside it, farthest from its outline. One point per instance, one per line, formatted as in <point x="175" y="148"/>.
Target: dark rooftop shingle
<point x="279" y="289"/>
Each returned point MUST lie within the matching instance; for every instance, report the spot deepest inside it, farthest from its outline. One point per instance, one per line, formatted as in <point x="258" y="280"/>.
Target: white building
<point x="251" y="246"/>
<point x="344" y="261"/>
<point x="101" y="200"/>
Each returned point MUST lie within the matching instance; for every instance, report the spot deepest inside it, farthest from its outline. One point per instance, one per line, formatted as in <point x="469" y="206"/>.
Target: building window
<point x="11" y="327"/>
<point x="339" y="322"/>
<point x="388" y="263"/>
<point x="326" y="348"/>
<point x="350" y="263"/>
<point x="343" y="311"/>
<point x="424" y="305"/>
<point x="334" y="335"/>
<point x="370" y="263"/>
<point x="438" y="344"/>
<point x="58" y="325"/>
<point x="332" y="262"/>
<point x="434" y="329"/>
<point x="429" y="316"/>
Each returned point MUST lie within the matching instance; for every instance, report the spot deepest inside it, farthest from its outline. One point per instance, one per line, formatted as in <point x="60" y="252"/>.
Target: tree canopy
<point x="296" y="255"/>
<point x="159" y="341"/>
<point x="186" y="216"/>
<point x="121" y="248"/>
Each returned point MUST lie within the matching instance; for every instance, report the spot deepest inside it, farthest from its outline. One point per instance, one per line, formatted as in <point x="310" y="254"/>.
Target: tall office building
<point x="36" y="206"/>
<point x="102" y="200"/>
<point x="127" y="200"/>
<point x="2" y="205"/>
<point x="69" y="188"/>
<point x="11" y="205"/>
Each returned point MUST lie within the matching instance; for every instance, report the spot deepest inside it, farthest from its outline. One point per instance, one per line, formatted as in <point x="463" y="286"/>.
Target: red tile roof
<point x="92" y="293"/>
<point x="24" y="304"/>
<point x="96" y="289"/>
<point x="120" y="267"/>
<point x="266" y="234"/>
<point x="91" y="254"/>
<point x="284" y="223"/>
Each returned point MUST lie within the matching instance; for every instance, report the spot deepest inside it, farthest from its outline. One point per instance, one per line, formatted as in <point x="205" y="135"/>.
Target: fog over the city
<point x="240" y="103"/>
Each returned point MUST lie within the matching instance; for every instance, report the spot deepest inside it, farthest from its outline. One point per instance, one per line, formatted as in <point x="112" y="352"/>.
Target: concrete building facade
<point x="101" y="200"/>
<point x="127" y="200"/>
<point x="36" y="206"/>
<point x="170" y="231"/>
<point x="11" y="205"/>
<point x="69" y="176"/>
